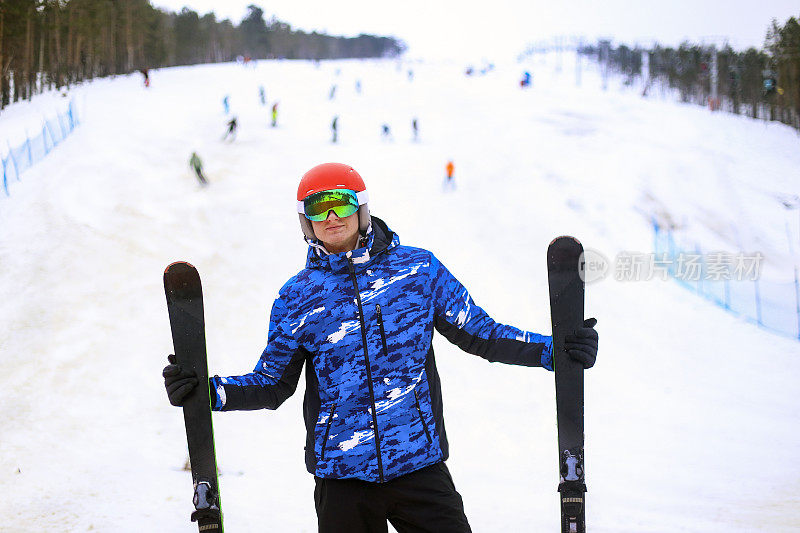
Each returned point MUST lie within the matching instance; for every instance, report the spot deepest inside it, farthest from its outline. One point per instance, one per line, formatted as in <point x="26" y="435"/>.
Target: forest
<point x="761" y="83"/>
<point x="46" y="44"/>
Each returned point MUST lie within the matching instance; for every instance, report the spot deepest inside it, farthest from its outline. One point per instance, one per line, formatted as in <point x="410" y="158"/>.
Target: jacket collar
<point x="378" y="239"/>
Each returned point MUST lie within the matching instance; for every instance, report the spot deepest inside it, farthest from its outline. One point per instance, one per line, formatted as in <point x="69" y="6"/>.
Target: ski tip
<point x="179" y="265"/>
<point x="182" y="280"/>
<point x="570" y="237"/>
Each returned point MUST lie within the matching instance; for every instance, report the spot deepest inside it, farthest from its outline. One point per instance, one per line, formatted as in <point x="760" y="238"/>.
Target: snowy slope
<point x="691" y="418"/>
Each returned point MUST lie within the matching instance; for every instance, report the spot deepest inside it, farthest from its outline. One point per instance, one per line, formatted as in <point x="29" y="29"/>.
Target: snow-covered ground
<point x="691" y="413"/>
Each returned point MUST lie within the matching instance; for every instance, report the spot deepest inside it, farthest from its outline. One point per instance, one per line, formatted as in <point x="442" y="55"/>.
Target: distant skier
<point x="449" y="182"/>
<point x="262" y="95"/>
<point x="197" y="166"/>
<point x="527" y="80"/>
<point x="359" y="322"/>
<point x="333" y="92"/>
<point x="232" y="126"/>
<point x="146" y="73"/>
<point x="358" y="86"/>
<point x="226" y="104"/>
<point x="386" y="132"/>
<point x="415" y="128"/>
<point x="335" y="128"/>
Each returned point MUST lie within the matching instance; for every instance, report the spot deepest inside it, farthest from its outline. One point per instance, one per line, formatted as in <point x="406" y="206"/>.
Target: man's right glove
<point x="178" y="382"/>
<point x="582" y="345"/>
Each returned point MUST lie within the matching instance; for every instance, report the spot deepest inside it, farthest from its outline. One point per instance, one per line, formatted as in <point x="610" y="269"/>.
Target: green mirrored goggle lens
<point x="343" y="202"/>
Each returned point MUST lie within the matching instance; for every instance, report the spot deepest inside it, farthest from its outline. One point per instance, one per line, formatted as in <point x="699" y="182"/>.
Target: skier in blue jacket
<point x="360" y="316"/>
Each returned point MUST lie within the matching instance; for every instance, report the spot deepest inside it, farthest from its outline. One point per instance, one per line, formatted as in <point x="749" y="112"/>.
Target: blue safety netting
<point x="733" y="282"/>
<point x="35" y="148"/>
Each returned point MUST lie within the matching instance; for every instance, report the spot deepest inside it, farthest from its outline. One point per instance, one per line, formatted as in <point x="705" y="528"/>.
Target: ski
<point x="564" y="269"/>
<point x="185" y="307"/>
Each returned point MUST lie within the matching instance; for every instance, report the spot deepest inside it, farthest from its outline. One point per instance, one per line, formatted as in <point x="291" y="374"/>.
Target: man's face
<point x="337" y="234"/>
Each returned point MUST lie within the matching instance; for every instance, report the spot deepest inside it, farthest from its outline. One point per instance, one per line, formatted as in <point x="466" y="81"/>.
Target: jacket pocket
<point x="383" y="331"/>
<point x="327" y="432"/>
<point x="422" y="418"/>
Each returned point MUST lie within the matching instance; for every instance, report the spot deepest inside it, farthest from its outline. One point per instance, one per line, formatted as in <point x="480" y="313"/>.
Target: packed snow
<point x="691" y="413"/>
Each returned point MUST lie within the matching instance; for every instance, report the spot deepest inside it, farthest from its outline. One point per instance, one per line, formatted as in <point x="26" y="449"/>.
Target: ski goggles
<point x="343" y="202"/>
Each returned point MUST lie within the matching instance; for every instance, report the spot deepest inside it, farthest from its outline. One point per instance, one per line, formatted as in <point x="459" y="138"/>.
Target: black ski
<point x="564" y="269"/>
<point x="185" y="306"/>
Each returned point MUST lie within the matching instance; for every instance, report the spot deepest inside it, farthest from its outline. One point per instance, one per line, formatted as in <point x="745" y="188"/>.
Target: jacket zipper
<point x="422" y="418"/>
<point x="327" y="432"/>
<point x="366" y="363"/>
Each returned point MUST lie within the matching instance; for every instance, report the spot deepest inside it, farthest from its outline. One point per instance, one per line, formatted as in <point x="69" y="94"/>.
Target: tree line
<point x="46" y="44"/>
<point x="761" y="83"/>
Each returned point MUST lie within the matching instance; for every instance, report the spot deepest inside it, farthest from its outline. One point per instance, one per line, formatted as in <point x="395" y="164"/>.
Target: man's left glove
<point x="582" y="345"/>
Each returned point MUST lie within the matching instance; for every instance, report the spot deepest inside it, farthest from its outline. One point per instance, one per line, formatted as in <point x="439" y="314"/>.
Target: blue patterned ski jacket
<point x="362" y="324"/>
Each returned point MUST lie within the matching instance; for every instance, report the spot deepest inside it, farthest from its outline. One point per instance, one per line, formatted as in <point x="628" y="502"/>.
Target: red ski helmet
<point x="326" y="177"/>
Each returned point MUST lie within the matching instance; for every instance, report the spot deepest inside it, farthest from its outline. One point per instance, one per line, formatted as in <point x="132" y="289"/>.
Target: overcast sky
<point x="460" y="29"/>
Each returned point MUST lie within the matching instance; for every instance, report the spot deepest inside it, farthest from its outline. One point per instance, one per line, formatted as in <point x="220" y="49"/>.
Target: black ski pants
<point x="424" y="501"/>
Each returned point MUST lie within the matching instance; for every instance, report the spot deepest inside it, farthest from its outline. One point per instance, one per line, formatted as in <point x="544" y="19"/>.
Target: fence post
<point x="13" y="159"/>
<point x="44" y="140"/>
<point x="61" y="123"/>
<point x="727" y="293"/>
<point x="28" y="143"/>
<point x="797" y="299"/>
<point x="671" y="248"/>
<point x="71" y="118"/>
<point x="52" y="136"/>
<point x="5" y="177"/>
<point x="758" y="302"/>
<point x="700" y="278"/>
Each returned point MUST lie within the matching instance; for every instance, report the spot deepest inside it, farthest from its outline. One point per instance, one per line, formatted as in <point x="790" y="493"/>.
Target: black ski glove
<point x="582" y="345"/>
<point x="179" y="382"/>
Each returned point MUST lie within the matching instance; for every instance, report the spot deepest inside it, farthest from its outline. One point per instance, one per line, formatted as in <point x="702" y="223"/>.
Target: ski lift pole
<point x="714" y="79"/>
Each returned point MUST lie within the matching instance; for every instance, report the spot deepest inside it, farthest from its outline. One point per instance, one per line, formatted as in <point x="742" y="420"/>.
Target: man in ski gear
<point x="231" y="132"/>
<point x="335" y="128"/>
<point x="197" y="166"/>
<point x="360" y="316"/>
<point x="449" y="182"/>
<point x="274" y="114"/>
